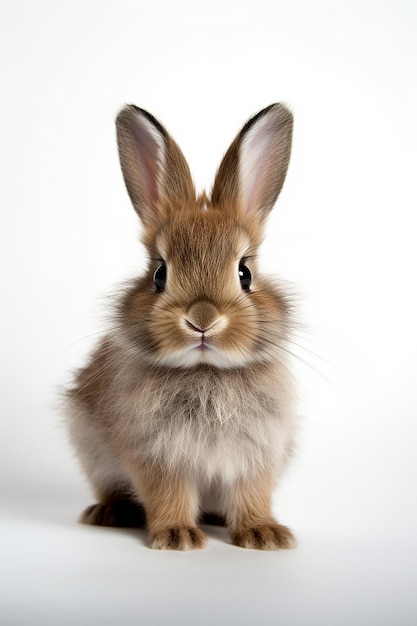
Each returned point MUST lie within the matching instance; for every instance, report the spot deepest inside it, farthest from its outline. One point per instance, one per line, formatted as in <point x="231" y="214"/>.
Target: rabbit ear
<point x="155" y="171"/>
<point x="253" y="170"/>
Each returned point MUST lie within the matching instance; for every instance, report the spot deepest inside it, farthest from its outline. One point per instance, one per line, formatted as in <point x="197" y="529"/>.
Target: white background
<point x="343" y="232"/>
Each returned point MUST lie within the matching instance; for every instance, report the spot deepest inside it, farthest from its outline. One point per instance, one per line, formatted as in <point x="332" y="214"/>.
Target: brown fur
<point x="121" y="514"/>
<point x="185" y="408"/>
<point x="171" y="504"/>
<point x="250" y="518"/>
<point x="226" y="189"/>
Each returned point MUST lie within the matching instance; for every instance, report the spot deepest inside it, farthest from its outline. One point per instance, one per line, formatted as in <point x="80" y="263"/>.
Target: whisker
<point x="74" y="343"/>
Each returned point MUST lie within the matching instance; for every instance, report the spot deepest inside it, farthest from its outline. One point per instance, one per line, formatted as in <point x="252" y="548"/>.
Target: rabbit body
<point x="186" y="407"/>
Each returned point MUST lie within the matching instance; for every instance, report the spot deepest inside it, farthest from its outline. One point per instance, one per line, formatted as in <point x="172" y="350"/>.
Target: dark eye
<point x="160" y="277"/>
<point x="245" y="277"/>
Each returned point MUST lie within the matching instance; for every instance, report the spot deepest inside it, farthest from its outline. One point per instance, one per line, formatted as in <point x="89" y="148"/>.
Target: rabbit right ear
<point x="253" y="170"/>
<point x="154" y="169"/>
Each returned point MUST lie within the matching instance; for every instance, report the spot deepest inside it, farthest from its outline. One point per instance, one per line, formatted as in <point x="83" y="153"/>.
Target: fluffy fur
<point x="186" y="407"/>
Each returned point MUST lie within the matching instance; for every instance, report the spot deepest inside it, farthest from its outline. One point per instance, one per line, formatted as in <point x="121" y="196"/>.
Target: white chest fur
<point x="217" y="425"/>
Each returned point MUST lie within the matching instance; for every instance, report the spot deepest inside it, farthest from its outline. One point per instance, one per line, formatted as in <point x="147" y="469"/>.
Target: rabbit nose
<point x="202" y="316"/>
<point x="193" y="326"/>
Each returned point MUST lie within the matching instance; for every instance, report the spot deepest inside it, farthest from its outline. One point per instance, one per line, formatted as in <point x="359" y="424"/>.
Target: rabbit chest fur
<point x="216" y="426"/>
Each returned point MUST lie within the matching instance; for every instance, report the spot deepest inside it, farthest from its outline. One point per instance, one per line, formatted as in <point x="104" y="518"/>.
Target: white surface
<point x="62" y="574"/>
<point x="343" y="232"/>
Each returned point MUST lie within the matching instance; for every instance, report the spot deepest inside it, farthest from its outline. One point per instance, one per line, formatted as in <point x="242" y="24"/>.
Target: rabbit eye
<point x="245" y="277"/>
<point x="160" y="277"/>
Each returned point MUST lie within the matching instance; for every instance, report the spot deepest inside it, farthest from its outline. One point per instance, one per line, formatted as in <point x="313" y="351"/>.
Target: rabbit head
<point x="202" y="301"/>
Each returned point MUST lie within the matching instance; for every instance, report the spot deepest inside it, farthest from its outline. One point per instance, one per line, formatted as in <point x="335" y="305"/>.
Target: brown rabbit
<point x="186" y="406"/>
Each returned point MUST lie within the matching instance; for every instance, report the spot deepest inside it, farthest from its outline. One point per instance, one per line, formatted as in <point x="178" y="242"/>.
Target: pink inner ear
<point x="256" y="160"/>
<point x="149" y="152"/>
<point x="150" y="175"/>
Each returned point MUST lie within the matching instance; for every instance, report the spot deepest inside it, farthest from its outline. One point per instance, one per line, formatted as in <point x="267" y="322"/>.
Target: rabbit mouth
<point x="205" y="353"/>
<point x="203" y="346"/>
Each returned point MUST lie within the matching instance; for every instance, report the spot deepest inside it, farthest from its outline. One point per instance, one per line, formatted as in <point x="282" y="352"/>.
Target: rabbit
<point x="185" y="410"/>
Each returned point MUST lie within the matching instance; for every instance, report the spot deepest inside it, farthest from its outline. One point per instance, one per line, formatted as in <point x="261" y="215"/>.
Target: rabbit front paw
<point x="178" y="538"/>
<point x="270" y="536"/>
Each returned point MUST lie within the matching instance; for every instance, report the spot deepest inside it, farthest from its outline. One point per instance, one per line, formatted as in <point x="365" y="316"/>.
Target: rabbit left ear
<point x="253" y="170"/>
<point x="155" y="171"/>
